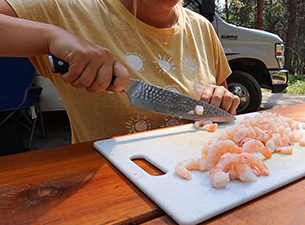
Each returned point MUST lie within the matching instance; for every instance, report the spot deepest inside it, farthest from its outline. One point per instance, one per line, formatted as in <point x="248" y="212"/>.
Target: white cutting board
<point x="192" y="201"/>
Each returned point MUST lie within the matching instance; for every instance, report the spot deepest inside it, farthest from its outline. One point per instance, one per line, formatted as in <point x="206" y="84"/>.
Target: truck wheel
<point x="247" y="89"/>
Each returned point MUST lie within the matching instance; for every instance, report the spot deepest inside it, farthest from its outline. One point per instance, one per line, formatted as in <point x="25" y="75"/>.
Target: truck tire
<point x="247" y="89"/>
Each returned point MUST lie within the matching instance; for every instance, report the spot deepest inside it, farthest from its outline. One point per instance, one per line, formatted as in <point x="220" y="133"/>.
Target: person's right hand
<point x="220" y="96"/>
<point x="90" y="66"/>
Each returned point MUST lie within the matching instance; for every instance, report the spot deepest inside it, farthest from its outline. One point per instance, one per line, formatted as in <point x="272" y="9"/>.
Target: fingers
<point x="79" y="73"/>
<point x="90" y="66"/>
<point x="213" y="95"/>
<point x="221" y="97"/>
<point x="94" y="74"/>
<point x="103" y="72"/>
<point x="230" y="102"/>
<point x="234" y="105"/>
<point x="112" y="76"/>
<point x="121" y="78"/>
<point x="97" y="74"/>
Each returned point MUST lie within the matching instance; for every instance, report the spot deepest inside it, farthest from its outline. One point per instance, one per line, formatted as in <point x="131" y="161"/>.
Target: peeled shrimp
<point x="199" y="109"/>
<point x="210" y="127"/>
<point x="240" y="134"/>
<point x="219" y="174"/>
<point x="280" y="143"/>
<point x="280" y="139"/>
<point x="270" y="144"/>
<point x="183" y="168"/>
<point x="243" y="172"/>
<point x="219" y="178"/>
<point x="266" y="133"/>
<point x="295" y="136"/>
<point x="252" y="146"/>
<point x="302" y="142"/>
<point x="219" y="149"/>
<point x="287" y="150"/>
<point x="205" y="125"/>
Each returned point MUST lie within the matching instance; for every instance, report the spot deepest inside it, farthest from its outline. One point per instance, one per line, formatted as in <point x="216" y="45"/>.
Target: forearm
<point x="24" y="38"/>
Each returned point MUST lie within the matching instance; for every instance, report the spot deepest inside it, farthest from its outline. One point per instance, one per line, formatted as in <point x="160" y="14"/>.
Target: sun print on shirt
<point x="135" y="60"/>
<point x="174" y="88"/>
<point x="169" y="122"/>
<point x="198" y="88"/>
<point x="173" y="121"/>
<point x="190" y="64"/>
<point x="164" y="65"/>
<point x="140" y="123"/>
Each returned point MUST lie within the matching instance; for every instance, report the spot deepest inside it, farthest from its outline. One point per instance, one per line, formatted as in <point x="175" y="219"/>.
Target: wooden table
<point x="74" y="184"/>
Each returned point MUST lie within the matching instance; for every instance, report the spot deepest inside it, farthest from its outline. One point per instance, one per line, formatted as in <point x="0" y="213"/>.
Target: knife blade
<point x="156" y="99"/>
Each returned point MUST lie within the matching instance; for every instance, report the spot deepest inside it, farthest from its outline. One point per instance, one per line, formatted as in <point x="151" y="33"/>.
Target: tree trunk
<point x="227" y="10"/>
<point x="290" y="33"/>
<point x="260" y="8"/>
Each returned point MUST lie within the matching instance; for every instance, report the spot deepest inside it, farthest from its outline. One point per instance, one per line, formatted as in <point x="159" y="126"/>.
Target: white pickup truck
<point x="256" y="58"/>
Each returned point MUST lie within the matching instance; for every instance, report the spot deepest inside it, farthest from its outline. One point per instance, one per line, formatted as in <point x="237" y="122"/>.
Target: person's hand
<point x="90" y="66"/>
<point x="221" y="97"/>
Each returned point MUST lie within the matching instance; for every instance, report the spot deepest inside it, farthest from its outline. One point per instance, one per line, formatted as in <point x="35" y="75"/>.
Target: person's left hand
<point x="221" y="97"/>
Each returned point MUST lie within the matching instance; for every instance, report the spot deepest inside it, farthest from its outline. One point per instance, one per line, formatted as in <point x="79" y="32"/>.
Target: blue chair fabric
<point x="19" y="97"/>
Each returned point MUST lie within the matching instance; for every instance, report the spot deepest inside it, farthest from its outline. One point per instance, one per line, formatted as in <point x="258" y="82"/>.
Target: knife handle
<point x="58" y="65"/>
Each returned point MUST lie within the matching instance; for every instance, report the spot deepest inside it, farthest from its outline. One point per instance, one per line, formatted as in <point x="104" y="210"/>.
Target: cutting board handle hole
<point x="147" y="167"/>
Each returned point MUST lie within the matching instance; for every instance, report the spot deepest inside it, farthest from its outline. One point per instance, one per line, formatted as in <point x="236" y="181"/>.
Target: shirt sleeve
<point x="222" y="68"/>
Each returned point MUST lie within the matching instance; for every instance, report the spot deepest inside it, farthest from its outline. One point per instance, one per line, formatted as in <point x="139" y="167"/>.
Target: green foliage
<point x="276" y="18"/>
<point x="243" y="13"/>
<point x="298" y="49"/>
<point x="276" y="15"/>
<point x="296" y="85"/>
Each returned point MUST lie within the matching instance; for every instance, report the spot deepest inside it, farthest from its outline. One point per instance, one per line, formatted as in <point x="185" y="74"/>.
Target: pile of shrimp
<point x="207" y="125"/>
<point x="229" y="155"/>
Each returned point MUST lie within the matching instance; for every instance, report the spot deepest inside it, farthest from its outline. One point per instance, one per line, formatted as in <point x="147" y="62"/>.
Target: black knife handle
<point x="58" y="65"/>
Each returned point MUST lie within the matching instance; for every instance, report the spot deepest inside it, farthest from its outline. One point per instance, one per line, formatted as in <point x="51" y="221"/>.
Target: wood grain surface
<point x="74" y="184"/>
<point x="71" y="184"/>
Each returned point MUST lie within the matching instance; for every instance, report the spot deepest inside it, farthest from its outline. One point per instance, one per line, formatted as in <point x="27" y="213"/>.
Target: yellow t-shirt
<point x="184" y="58"/>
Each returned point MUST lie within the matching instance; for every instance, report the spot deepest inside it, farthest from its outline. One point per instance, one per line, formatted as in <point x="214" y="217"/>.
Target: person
<point x="158" y="42"/>
<point x="40" y="39"/>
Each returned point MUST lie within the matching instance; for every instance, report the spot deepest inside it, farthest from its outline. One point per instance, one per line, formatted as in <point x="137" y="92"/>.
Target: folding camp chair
<point x="19" y="97"/>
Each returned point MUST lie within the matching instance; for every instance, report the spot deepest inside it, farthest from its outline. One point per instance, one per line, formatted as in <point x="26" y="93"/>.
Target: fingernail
<point x="110" y="92"/>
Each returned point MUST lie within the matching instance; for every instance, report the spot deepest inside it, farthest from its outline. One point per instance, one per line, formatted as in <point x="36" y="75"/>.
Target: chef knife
<point x="155" y="99"/>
